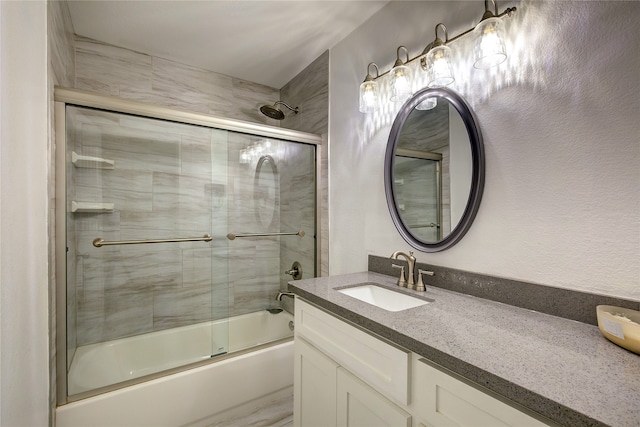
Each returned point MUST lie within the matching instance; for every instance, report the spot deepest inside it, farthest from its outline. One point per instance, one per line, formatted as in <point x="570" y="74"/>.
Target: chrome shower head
<point x="273" y="112"/>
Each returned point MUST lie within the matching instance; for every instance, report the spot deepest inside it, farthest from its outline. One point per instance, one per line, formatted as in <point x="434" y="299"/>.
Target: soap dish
<point x="620" y="325"/>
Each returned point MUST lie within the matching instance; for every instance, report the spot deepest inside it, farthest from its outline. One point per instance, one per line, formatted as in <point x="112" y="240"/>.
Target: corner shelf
<point x="81" y="161"/>
<point x="80" y="207"/>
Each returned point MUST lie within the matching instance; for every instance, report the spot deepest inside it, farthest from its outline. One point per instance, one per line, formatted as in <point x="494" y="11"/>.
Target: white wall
<point x="24" y="384"/>
<point x="561" y="129"/>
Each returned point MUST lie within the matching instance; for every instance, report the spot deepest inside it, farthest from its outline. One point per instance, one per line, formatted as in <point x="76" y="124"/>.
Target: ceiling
<point x="266" y="42"/>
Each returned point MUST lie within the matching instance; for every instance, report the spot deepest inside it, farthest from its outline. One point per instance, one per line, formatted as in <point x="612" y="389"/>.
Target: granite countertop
<point x="563" y="369"/>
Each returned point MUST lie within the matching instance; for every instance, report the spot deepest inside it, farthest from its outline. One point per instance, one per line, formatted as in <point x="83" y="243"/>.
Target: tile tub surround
<point x="566" y="303"/>
<point x="562" y="369"/>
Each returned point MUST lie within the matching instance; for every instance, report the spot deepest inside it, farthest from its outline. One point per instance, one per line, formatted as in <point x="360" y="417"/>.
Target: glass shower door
<point x="418" y="185"/>
<point x="146" y="286"/>
<point x="272" y="224"/>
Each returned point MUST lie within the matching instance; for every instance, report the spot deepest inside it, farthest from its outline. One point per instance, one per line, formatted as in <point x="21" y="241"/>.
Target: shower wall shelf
<point x="81" y="161"/>
<point x="81" y="207"/>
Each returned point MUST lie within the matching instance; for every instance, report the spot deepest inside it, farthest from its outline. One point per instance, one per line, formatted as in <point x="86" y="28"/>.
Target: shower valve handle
<point x="296" y="271"/>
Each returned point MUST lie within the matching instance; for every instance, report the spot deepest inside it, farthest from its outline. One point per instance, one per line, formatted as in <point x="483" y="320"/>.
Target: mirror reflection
<point x="434" y="169"/>
<point x="265" y="191"/>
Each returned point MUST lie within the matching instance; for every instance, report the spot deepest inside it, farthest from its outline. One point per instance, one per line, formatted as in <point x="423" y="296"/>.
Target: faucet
<point x="411" y="260"/>
<point x="284" y="294"/>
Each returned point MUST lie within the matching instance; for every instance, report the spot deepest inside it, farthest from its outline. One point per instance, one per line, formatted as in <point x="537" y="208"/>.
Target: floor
<point x="276" y="414"/>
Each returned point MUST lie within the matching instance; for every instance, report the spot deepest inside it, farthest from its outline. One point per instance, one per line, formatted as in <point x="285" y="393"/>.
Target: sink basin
<point x="382" y="297"/>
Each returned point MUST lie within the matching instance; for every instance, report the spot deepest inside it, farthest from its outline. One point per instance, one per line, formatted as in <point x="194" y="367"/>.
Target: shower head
<point x="273" y="112"/>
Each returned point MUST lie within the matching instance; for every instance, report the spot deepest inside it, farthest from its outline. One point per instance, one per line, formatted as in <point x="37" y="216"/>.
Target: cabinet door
<point x="314" y="387"/>
<point x="443" y="400"/>
<point x="361" y="406"/>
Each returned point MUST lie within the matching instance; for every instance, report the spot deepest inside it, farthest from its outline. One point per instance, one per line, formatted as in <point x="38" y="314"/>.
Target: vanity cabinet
<point x="448" y="401"/>
<point x="315" y="386"/>
<point x="345" y="376"/>
<point x="361" y="406"/>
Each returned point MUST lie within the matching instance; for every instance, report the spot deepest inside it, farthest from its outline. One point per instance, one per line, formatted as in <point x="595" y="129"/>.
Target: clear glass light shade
<point x="369" y="94"/>
<point x="400" y="83"/>
<point x="439" y="72"/>
<point x="489" y="49"/>
<point x="427" y="104"/>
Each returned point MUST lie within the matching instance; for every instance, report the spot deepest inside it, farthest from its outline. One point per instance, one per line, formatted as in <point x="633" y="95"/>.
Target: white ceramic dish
<point x="620" y="325"/>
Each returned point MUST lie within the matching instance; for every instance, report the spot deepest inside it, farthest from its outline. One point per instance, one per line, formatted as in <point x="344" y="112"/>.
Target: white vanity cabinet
<point x="314" y="387"/>
<point x="345" y="376"/>
<point x="361" y="406"/>
<point x="448" y="401"/>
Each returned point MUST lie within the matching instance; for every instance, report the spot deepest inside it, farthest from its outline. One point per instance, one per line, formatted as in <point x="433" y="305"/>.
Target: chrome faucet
<point x="411" y="260"/>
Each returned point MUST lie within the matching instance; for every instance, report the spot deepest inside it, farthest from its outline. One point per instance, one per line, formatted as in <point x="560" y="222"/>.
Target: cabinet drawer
<point x="446" y="401"/>
<point x="383" y="366"/>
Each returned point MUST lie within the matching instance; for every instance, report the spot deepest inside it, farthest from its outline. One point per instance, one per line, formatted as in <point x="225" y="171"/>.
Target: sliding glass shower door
<point x="143" y="205"/>
<point x="172" y="230"/>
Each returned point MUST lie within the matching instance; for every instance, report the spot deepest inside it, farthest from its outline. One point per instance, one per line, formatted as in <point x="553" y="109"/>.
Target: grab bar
<point x="99" y="242"/>
<point x="232" y="236"/>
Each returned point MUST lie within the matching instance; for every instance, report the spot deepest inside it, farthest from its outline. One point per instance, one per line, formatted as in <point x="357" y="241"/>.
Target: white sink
<point x="382" y="297"/>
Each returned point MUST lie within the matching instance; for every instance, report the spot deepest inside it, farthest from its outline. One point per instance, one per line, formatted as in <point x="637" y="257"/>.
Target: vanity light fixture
<point x="369" y="92"/>
<point x="435" y="59"/>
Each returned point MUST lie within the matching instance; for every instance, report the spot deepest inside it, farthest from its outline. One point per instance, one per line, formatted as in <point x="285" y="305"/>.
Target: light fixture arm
<point x="487" y="13"/>
<point x="438" y="41"/>
<point x="398" y="60"/>
<point x="369" y="76"/>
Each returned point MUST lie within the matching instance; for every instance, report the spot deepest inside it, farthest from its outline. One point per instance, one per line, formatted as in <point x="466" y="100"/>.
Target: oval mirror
<point x="266" y="196"/>
<point x="434" y="169"/>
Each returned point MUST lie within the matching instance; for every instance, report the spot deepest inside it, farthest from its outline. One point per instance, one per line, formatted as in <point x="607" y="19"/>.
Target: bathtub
<point x="195" y="396"/>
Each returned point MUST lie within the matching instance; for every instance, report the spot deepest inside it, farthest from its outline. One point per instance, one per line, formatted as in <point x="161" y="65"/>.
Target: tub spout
<point x="284" y="294"/>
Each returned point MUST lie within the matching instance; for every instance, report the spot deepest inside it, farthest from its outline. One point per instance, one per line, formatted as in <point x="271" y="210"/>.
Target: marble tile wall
<point x="115" y="71"/>
<point x="309" y="91"/>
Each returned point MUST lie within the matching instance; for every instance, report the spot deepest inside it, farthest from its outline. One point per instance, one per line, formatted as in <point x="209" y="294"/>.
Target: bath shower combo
<point x="170" y="254"/>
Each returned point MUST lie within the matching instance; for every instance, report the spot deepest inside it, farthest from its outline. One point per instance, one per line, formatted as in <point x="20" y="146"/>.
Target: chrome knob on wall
<point x="296" y="271"/>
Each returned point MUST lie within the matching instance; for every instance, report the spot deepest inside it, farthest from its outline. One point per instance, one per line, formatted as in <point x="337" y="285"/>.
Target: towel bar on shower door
<point x="232" y="236"/>
<point x="99" y="242"/>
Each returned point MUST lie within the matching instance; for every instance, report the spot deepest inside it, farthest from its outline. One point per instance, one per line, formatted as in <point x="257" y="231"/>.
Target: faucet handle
<point x="420" y="286"/>
<point x="401" y="280"/>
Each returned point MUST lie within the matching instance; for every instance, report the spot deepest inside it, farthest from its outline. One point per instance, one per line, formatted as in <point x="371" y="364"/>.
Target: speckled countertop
<point x="562" y="369"/>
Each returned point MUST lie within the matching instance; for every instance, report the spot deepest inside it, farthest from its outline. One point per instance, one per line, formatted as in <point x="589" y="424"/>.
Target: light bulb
<point x="439" y="72"/>
<point x="369" y="96"/>
<point x="489" y="49"/>
<point x="400" y="83"/>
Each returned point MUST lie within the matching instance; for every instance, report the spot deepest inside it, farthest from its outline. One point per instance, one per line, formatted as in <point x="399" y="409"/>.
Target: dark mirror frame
<point x="477" y="177"/>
